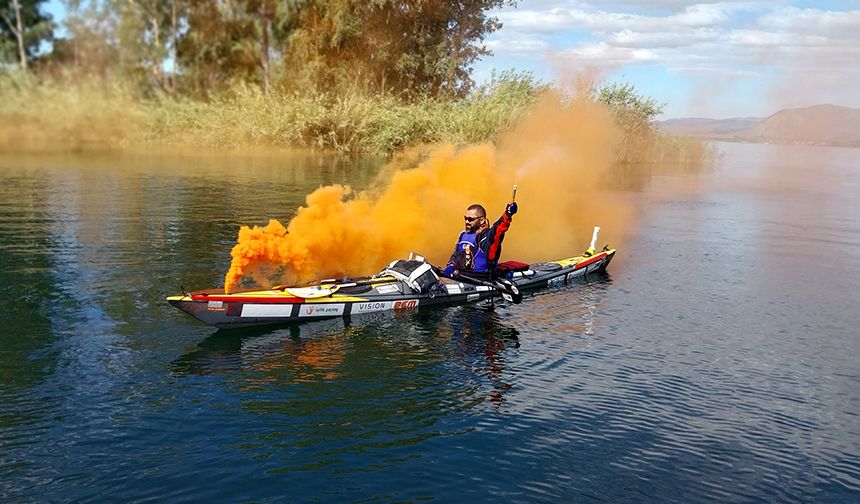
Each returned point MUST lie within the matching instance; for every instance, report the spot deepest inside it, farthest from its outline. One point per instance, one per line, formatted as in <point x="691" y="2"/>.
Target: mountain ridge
<point x="824" y="124"/>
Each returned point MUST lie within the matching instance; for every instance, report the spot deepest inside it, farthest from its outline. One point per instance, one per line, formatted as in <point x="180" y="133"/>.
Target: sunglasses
<point x="470" y="219"/>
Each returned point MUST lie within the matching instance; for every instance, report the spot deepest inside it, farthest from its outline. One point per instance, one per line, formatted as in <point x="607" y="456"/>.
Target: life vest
<point x="469" y="255"/>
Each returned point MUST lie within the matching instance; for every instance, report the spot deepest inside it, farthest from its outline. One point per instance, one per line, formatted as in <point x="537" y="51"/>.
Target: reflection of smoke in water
<point x="557" y="155"/>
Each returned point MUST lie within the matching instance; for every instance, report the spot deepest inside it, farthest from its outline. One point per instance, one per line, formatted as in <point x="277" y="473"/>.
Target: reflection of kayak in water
<point x="404" y="286"/>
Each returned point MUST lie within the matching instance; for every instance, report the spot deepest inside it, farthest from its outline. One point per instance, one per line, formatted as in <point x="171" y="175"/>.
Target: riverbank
<point x="56" y="114"/>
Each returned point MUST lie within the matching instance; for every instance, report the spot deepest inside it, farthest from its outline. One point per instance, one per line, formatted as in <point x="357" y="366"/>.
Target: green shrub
<point x="62" y="112"/>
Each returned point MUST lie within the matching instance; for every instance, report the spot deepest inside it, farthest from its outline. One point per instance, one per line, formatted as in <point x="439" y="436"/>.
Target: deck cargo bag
<point x="418" y="275"/>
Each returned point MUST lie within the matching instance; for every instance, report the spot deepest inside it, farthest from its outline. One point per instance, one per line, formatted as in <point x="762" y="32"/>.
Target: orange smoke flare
<point x="558" y="155"/>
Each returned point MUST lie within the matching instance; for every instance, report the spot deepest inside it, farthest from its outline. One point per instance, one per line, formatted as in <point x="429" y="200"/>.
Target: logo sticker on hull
<point x="374" y="306"/>
<point x="594" y="266"/>
<point x="409" y="304"/>
<point x="321" y="310"/>
<point x="266" y="310"/>
<point x="387" y="289"/>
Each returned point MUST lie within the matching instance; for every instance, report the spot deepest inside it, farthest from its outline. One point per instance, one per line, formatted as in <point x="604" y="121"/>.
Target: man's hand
<point x="511" y="209"/>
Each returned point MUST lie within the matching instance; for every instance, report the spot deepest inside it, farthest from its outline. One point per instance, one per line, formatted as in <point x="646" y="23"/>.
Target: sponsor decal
<point x="409" y="304"/>
<point x="215" y="306"/>
<point x="571" y="276"/>
<point x="321" y="310"/>
<point x="482" y="288"/>
<point x="264" y="310"/>
<point x="373" y="306"/>
<point x="387" y="289"/>
<point x="233" y="309"/>
<point x="453" y="289"/>
<point x="473" y="297"/>
<point x="594" y="266"/>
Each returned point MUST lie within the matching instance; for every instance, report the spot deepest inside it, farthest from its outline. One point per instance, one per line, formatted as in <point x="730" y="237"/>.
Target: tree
<point x="206" y="50"/>
<point x="271" y="22"/>
<point x="91" y="47"/>
<point x="634" y="114"/>
<point x="233" y="41"/>
<point x="413" y="47"/>
<point x="633" y="111"/>
<point x="23" y="29"/>
<point x="147" y="32"/>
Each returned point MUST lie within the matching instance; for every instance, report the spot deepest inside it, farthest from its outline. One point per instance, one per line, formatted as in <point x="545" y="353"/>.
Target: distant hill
<point x="828" y="124"/>
<point x="711" y="128"/>
<point x="819" y="124"/>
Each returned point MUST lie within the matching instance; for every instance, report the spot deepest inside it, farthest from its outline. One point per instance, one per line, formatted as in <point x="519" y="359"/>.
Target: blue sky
<point x="701" y="59"/>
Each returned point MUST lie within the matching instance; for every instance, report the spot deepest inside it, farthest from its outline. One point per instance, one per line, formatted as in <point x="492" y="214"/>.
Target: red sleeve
<point x="497" y="234"/>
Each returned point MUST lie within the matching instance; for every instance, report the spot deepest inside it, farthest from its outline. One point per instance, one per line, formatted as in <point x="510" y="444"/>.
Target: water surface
<point x="717" y="361"/>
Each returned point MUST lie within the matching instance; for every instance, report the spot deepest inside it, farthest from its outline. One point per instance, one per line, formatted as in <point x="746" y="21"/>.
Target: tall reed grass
<point x="347" y="121"/>
<point x="65" y="113"/>
<point x="60" y="114"/>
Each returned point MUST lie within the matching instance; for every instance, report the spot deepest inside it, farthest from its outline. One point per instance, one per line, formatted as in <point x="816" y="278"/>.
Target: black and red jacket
<point x="487" y="248"/>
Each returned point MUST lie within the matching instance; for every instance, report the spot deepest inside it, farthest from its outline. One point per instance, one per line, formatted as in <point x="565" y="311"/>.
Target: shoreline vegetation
<point x="352" y="77"/>
<point x="49" y="113"/>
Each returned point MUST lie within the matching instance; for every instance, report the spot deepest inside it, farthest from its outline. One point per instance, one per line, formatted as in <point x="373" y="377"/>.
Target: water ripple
<point x="703" y="368"/>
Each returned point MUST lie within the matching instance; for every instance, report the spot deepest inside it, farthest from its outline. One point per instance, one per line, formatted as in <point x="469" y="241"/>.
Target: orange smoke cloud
<point x="558" y="155"/>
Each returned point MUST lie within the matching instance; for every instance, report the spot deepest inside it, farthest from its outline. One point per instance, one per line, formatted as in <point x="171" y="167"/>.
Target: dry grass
<point x="57" y="115"/>
<point x="63" y="113"/>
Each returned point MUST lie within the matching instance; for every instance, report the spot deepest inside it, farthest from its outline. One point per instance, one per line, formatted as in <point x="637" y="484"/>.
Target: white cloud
<point x="702" y="15"/>
<point x="658" y="5"/>
<point x="557" y="19"/>
<point x="753" y="42"/>
<point x="603" y="53"/>
<point x="520" y="46"/>
<point x="716" y="71"/>
<point x="752" y="39"/>
<point x="727" y="33"/>
<point x="679" y="38"/>
<point x="846" y="23"/>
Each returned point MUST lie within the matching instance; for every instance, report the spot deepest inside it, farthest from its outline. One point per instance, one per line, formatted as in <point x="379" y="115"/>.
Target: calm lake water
<point x="717" y="361"/>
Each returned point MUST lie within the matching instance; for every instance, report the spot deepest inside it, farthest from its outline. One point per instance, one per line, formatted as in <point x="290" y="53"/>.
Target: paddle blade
<point x="509" y="291"/>
<point x="516" y="298"/>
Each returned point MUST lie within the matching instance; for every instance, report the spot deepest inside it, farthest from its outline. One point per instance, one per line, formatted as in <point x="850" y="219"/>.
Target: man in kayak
<point x="480" y="245"/>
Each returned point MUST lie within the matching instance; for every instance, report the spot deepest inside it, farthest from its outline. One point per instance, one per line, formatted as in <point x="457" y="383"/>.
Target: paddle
<point x="335" y="283"/>
<point x="509" y="291"/>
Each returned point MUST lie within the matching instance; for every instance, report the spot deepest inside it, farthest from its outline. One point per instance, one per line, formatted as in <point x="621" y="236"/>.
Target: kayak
<point x="380" y="293"/>
<point x="385" y="292"/>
